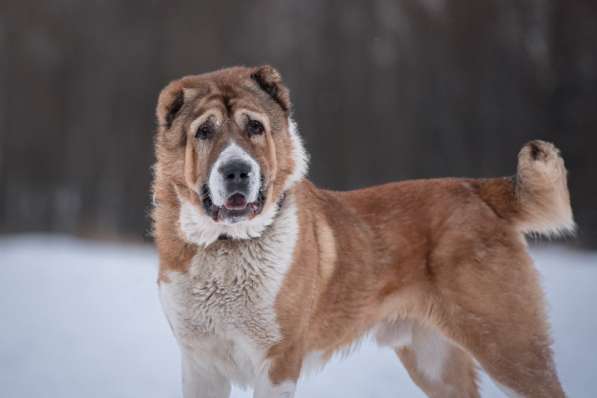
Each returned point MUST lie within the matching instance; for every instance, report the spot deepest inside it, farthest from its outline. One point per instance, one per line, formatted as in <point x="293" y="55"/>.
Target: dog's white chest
<point x="222" y="309"/>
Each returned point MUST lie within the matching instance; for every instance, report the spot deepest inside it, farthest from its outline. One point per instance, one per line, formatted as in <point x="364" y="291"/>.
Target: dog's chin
<point x="232" y="214"/>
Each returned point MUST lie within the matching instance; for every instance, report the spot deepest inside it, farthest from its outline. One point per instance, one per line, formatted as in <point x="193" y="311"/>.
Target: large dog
<point x="262" y="273"/>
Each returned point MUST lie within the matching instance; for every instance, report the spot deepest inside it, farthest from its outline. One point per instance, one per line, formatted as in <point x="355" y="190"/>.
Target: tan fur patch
<point x="327" y="250"/>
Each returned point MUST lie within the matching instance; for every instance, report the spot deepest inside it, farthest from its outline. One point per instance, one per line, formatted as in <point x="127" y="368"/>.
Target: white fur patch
<point x="216" y="179"/>
<point x="431" y="348"/>
<point x="396" y="334"/>
<point x="197" y="227"/>
<point x="299" y="155"/>
<point x="222" y="309"/>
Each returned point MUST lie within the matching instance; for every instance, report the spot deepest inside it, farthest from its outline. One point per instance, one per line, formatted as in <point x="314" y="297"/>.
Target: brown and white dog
<point x="261" y="272"/>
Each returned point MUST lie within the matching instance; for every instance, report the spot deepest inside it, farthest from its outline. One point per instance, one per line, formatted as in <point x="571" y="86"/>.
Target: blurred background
<point x="433" y="87"/>
<point x="383" y="90"/>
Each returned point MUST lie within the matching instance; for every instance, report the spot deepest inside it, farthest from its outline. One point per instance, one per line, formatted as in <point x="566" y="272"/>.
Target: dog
<point x="262" y="274"/>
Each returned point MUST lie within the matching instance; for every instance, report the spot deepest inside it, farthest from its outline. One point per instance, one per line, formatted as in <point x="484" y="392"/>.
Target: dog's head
<point x="229" y="149"/>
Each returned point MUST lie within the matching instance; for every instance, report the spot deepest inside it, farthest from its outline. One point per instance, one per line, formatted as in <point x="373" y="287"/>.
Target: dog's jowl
<point x="261" y="271"/>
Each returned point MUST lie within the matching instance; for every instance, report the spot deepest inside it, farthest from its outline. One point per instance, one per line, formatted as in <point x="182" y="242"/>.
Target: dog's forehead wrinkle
<point x="232" y="92"/>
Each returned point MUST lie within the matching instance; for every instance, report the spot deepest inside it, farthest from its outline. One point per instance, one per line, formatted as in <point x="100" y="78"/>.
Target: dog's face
<point x="226" y="143"/>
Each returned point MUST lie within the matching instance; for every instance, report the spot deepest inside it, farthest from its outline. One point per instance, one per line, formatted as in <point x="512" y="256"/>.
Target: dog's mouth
<point x="236" y="208"/>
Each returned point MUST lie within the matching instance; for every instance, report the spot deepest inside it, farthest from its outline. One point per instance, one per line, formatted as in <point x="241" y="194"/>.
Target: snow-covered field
<point x="82" y="319"/>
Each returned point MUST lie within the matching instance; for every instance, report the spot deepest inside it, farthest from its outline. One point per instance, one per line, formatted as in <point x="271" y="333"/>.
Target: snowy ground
<point x="82" y="319"/>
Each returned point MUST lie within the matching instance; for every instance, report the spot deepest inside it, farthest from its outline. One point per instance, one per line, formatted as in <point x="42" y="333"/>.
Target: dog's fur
<point x="438" y="270"/>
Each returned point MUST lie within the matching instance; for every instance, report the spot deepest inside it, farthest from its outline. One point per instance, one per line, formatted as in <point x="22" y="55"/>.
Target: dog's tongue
<point x="236" y="202"/>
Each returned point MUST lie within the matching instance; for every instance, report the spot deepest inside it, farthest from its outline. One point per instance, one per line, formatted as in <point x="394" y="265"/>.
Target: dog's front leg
<point x="266" y="388"/>
<point x="202" y="381"/>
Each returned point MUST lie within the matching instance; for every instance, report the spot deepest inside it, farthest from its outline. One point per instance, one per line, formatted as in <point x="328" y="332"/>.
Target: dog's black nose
<point x="236" y="175"/>
<point x="235" y="171"/>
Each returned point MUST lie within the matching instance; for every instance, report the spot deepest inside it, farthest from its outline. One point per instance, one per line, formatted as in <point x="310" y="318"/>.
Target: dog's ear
<point x="170" y="102"/>
<point x="270" y="81"/>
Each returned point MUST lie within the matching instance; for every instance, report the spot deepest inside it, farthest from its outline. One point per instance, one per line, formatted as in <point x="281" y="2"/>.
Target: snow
<point x="83" y="319"/>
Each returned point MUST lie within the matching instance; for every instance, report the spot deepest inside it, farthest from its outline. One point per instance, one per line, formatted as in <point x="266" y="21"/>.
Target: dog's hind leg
<point x="440" y="368"/>
<point x="492" y="306"/>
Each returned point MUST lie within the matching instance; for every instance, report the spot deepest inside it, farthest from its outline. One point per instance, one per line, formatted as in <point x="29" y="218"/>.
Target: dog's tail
<point x="541" y="190"/>
<point x="536" y="200"/>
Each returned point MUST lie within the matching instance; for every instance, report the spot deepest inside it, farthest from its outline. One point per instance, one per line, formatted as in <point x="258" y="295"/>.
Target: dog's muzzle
<point x="234" y="191"/>
<point x="236" y="176"/>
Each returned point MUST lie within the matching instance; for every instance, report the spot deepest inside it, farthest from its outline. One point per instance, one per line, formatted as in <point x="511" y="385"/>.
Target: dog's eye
<point x="255" y="127"/>
<point x="205" y="131"/>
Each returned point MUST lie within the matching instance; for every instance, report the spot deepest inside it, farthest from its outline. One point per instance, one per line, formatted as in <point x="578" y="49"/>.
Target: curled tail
<point x="536" y="200"/>
<point x="541" y="191"/>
